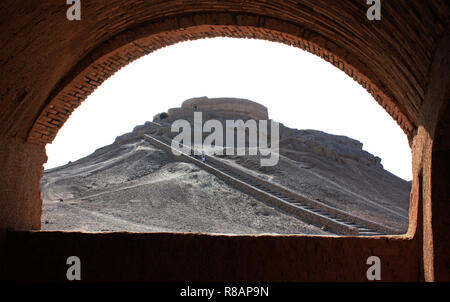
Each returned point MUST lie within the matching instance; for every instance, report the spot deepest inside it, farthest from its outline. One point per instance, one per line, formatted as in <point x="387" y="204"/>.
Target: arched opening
<point x="104" y="62"/>
<point x="398" y="59"/>
<point x="291" y="91"/>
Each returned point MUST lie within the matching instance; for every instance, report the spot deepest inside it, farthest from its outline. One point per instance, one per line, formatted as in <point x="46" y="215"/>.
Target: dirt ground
<point x="141" y="189"/>
<point x="131" y="185"/>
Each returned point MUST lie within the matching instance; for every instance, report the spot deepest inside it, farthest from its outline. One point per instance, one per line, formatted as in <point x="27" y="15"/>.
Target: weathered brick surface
<point x="188" y="257"/>
<point x="81" y="85"/>
<point x="50" y="65"/>
<point x="46" y="57"/>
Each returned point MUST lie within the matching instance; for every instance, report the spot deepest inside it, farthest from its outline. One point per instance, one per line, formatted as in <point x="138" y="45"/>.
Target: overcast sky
<point x="299" y="89"/>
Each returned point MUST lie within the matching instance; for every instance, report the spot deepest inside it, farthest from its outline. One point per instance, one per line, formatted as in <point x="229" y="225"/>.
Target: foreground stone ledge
<point x="123" y="256"/>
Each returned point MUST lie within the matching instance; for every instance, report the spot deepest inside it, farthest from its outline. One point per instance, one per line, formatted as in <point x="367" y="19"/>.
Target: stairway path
<point x="313" y="212"/>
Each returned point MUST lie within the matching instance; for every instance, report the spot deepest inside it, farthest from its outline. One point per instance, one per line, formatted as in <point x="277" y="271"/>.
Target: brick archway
<point x="50" y="65"/>
<point x="128" y="46"/>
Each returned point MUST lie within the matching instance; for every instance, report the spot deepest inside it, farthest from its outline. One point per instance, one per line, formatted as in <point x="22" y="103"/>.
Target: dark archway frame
<point x="130" y="45"/>
<point x="48" y="61"/>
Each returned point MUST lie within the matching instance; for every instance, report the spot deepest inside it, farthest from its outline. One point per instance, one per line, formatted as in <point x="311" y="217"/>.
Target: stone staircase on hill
<point x="305" y="209"/>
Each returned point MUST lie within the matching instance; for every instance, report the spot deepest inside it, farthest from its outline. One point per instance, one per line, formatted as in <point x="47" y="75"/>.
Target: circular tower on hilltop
<point x="227" y="108"/>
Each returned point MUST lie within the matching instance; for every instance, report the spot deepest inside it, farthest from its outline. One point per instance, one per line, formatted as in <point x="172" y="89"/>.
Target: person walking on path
<point x="203" y="157"/>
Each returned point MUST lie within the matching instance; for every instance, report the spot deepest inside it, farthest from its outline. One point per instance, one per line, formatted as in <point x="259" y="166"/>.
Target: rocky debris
<point x="339" y="148"/>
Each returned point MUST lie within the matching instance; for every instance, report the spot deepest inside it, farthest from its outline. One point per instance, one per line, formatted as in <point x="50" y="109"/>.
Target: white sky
<point x="299" y="89"/>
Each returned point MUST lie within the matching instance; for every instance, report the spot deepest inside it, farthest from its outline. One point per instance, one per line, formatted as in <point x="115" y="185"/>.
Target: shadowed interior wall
<point x="197" y="257"/>
<point x="50" y="65"/>
<point x="439" y="224"/>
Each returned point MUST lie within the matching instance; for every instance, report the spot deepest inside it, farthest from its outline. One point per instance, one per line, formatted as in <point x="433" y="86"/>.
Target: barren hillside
<point x="132" y="185"/>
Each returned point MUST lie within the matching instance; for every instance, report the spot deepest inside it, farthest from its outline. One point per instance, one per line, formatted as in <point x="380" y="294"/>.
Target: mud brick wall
<point x="49" y="66"/>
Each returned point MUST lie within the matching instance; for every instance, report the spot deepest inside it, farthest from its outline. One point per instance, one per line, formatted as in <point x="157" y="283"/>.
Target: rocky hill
<point x="131" y="185"/>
